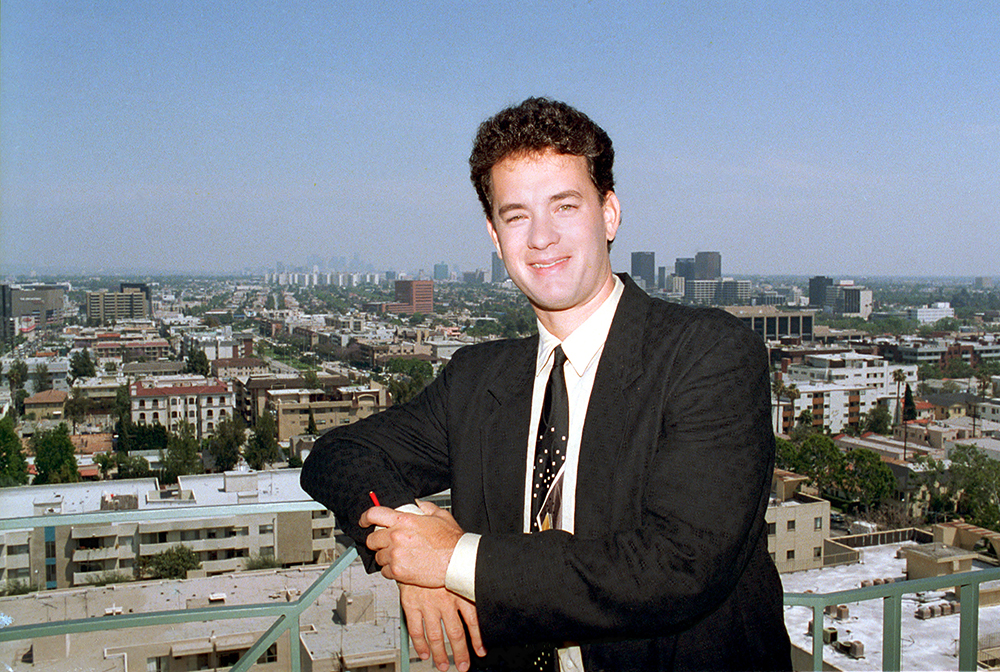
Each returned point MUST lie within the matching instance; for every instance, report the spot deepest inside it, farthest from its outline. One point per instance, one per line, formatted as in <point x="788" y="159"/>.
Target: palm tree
<point x="982" y="382"/>
<point x="779" y="391"/>
<point x="792" y="392"/>
<point x="898" y="377"/>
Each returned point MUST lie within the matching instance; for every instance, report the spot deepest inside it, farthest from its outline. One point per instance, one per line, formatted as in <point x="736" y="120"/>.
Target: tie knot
<point x="558" y="358"/>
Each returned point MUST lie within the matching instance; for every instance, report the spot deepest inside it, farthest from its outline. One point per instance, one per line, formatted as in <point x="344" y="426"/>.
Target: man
<point x="640" y="544"/>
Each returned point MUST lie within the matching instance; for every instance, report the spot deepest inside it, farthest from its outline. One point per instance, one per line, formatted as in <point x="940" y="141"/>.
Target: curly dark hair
<point x="535" y="125"/>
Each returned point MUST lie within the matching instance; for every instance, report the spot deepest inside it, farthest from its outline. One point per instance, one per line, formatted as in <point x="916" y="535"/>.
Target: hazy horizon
<point x="845" y="140"/>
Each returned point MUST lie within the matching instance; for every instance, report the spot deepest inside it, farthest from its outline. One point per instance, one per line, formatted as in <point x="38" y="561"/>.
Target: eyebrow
<point x="569" y="193"/>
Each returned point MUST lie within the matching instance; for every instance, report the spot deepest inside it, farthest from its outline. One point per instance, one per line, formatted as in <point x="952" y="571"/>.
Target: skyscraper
<point x="817" y="290"/>
<point x="499" y="271"/>
<point x="707" y="265"/>
<point x="441" y="271"/>
<point x="644" y="267"/>
<point x="684" y="268"/>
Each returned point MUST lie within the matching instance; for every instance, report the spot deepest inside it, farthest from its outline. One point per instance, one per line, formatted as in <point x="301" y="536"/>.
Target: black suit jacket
<point x="668" y="566"/>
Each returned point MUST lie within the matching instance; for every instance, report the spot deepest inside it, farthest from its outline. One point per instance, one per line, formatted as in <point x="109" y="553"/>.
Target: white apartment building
<point x="832" y="405"/>
<point x="854" y="370"/>
<point x="930" y="314"/>
<point x="171" y="400"/>
<point x="61" y="556"/>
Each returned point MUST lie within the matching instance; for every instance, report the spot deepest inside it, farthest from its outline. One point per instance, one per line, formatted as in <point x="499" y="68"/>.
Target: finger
<point x="435" y="638"/>
<point x="382" y="516"/>
<point x="415" y="624"/>
<point x="428" y="508"/>
<point x="455" y="630"/>
<point x="378" y="540"/>
<point x="471" y="618"/>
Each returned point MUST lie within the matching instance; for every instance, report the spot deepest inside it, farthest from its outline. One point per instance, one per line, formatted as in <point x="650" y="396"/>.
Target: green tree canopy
<point x="54" y="458"/>
<point x="197" y="363"/>
<point x="13" y="466"/>
<point x="182" y="456"/>
<point x="868" y="477"/>
<point x="263" y="448"/>
<point x="878" y="420"/>
<point x="978" y="478"/>
<point x="17" y="375"/>
<point x="909" y="406"/>
<point x="820" y="459"/>
<point x="173" y="563"/>
<point x="225" y="443"/>
<point x="311" y="425"/>
<point x="76" y="406"/>
<point x="43" y="379"/>
<point x="81" y="365"/>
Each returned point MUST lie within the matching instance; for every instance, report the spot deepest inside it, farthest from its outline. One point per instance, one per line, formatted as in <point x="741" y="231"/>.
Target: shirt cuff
<point x="461" y="575"/>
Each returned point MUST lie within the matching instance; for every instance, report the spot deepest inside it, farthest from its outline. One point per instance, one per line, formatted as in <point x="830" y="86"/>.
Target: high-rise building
<point x="661" y="277"/>
<point x="684" y="268"/>
<point x="6" y="314"/>
<point x="413" y="296"/>
<point x="105" y="306"/>
<point x="499" y="271"/>
<point x="707" y="265"/>
<point x="644" y="268"/>
<point x="817" y="290"/>
<point x="476" y="277"/>
<point x="441" y="271"/>
<point x="139" y="287"/>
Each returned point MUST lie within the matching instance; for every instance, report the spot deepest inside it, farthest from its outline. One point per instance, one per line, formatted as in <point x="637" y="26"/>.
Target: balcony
<point x="279" y="617"/>
<point x="100" y="554"/>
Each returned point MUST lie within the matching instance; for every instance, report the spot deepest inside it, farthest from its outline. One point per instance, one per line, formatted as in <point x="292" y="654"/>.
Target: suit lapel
<point x="611" y="409"/>
<point x="504" y="438"/>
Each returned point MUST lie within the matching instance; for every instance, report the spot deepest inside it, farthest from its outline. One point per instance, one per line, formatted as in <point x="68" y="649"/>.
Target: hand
<point x="414" y="549"/>
<point x="425" y="609"/>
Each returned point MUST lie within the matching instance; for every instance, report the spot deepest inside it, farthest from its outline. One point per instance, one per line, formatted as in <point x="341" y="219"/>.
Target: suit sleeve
<point x="678" y="541"/>
<point x="400" y="454"/>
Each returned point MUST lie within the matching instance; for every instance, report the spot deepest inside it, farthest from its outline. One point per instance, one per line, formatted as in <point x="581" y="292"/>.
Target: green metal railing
<point x="287" y="615"/>
<point x="891" y="595"/>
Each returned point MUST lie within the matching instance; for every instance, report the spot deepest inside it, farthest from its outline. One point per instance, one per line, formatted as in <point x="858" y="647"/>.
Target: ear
<point x="492" y="230"/>
<point x="612" y="215"/>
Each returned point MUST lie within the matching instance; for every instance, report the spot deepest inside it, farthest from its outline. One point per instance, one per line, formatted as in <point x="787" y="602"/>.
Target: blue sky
<point x="845" y="138"/>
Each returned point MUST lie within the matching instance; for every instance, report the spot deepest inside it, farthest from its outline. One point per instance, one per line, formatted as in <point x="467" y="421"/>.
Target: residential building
<point x="833" y="406"/>
<point x="852" y="368"/>
<point x="252" y="391"/>
<point x="347" y="404"/>
<point x="239" y="367"/>
<point x="104" y="307"/>
<point x="172" y="400"/>
<point x="61" y="556"/>
<point x="47" y="405"/>
<point x="797" y="524"/>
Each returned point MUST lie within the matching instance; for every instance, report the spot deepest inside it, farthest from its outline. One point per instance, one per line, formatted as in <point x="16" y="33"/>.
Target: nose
<point x="543" y="232"/>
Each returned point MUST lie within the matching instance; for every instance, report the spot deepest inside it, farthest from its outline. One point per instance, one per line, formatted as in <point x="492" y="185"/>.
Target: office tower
<point x="644" y="268"/>
<point x="6" y="314"/>
<point x="413" y="296"/>
<point x="817" y="290"/>
<point x="441" y="271"/>
<point x="707" y="266"/>
<point x="138" y="287"/>
<point x="684" y="268"/>
<point x="661" y="277"/>
<point x="499" y="271"/>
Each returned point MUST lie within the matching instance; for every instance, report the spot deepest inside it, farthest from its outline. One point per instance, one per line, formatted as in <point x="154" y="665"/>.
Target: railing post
<point x="817" y="664"/>
<point x="968" y="629"/>
<point x="404" y="642"/>
<point x="892" y="621"/>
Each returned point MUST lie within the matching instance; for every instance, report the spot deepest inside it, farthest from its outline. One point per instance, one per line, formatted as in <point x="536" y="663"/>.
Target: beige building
<point x="797" y="524"/>
<point x="345" y="405"/>
<point x="60" y="556"/>
<point x="47" y="405"/>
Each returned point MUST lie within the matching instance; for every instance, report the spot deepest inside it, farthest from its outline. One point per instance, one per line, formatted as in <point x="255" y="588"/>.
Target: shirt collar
<point x="586" y="341"/>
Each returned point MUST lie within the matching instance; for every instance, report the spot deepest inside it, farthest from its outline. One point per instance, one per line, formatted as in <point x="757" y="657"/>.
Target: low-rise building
<point x="47" y="405"/>
<point x="172" y="400"/>
<point x="347" y="404"/>
<point x="797" y="524"/>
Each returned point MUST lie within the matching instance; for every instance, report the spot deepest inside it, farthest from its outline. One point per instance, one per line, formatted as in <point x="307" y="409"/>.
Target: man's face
<point x="552" y="231"/>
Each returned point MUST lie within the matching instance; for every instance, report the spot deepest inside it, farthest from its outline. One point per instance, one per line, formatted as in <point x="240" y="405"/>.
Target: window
<point x="267" y="551"/>
<point x="269" y="656"/>
<point x="266" y="529"/>
<point x="771" y="529"/>
<point x="158" y="664"/>
<point x="790" y="555"/>
<point x="818" y="523"/>
<point x="50" y="549"/>
<point x="142" y="403"/>
<point x="50" y="573"/>
<point x="817" y="552"/>
<point x="791" y="525"/>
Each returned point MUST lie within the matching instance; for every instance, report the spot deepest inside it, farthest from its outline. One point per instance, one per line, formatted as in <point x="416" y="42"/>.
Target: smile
<point x="547" y="264"/>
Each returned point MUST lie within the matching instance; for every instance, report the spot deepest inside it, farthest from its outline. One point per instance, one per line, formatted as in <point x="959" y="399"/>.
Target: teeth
<point x="547" y="265"/>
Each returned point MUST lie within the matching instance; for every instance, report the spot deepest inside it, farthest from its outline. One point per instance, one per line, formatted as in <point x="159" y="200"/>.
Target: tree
<point x="76" y="406"/>
<point x="132" y="466"/>
<point x="898" y="377"/>
<point x="820" y="460"/>
<point x="878" y="420"/>
<point x="803" y="425"/>
<point x="786" y="454"/>
<point x="182" y="456"/>
<point x="977" y="477"/>
<point x="81" y="365"/>
<point x="173" y="563"/>
<point x="310" y="379"/>
<point x="868" y="477"/>
<point x="197" y="363"/>
<point x="43" y="379"/>
<point x="54" y="458"/>
<point x="311" y="425"/>
<point x="17" y="375"/>
<point x="13" y="466"/>
<point x="225" y="443"/>
<point x="909" y="406"/>
<point x="263" y="448"/>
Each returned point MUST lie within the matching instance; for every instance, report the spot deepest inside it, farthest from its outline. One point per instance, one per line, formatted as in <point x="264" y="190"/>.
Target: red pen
<point x="371" y="493"/>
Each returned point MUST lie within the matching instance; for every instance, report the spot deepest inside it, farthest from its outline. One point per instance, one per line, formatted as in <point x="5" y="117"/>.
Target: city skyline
<point x="847" y="140"/>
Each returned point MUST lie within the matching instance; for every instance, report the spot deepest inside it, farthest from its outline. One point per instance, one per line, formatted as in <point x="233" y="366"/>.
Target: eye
<point x="566" y="207"/>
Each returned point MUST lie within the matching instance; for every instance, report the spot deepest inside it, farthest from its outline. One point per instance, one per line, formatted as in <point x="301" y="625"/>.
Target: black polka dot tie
<point x="553" y="433"/>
